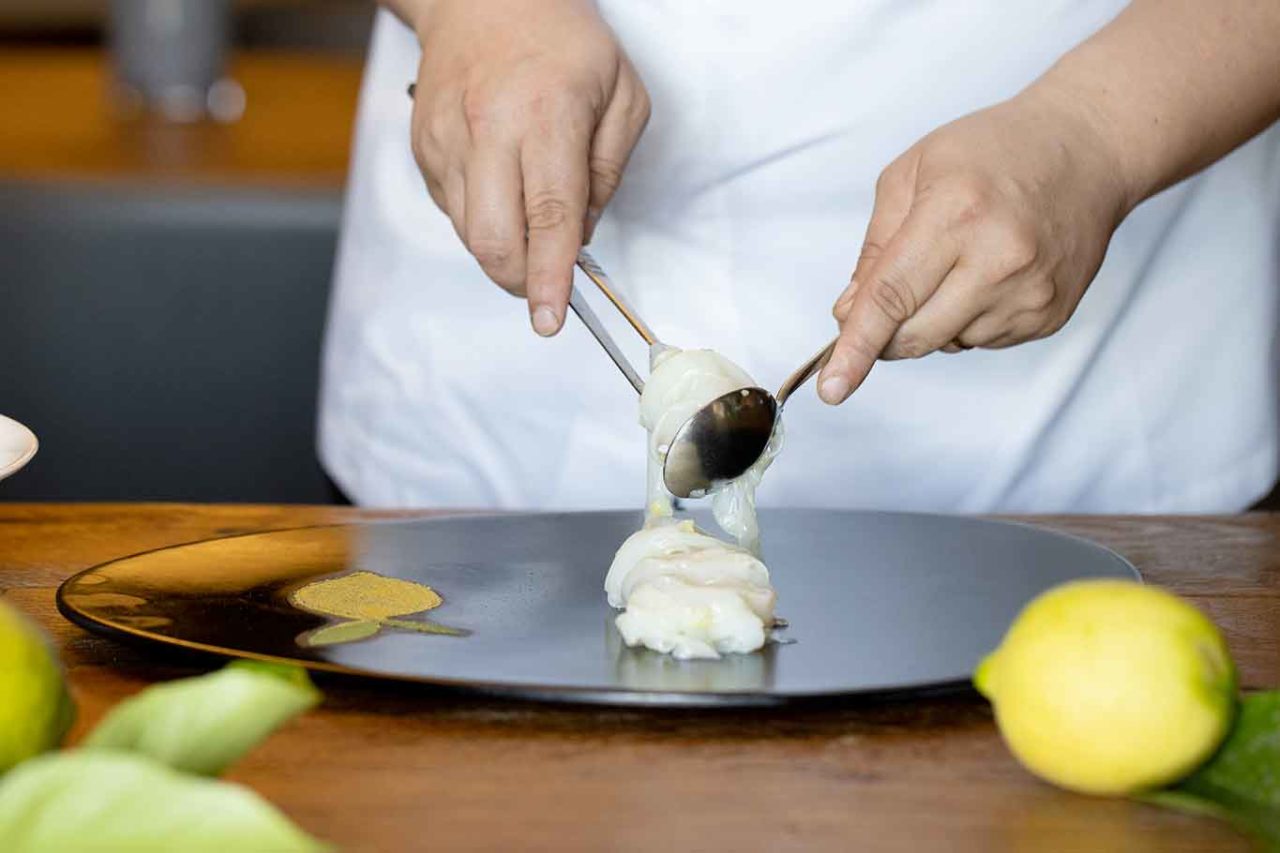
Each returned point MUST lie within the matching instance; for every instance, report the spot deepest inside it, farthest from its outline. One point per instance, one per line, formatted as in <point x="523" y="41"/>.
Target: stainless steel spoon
<point x="728" y="435"/>
<point x="725" y="437"/>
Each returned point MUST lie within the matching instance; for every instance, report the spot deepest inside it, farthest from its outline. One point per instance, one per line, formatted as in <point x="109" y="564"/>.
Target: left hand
<point x="985" y="233"/>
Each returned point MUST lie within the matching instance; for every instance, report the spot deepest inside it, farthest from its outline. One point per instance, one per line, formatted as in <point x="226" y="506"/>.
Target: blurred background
<point x="171" y="180"/>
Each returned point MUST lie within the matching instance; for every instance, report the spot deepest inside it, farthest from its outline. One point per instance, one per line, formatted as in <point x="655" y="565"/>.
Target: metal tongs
<point x="725" y="437"/>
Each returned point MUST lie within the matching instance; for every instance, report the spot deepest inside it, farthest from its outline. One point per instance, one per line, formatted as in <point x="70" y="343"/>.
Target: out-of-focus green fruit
<point x="35" y="708"/>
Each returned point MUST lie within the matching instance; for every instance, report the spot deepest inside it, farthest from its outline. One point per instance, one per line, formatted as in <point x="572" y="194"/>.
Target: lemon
<point x="35" y="708"/>
<point x="1110" y="687"/>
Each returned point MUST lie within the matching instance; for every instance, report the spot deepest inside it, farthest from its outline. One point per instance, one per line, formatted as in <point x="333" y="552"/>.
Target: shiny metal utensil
<point x="728" y="435"/>
<point x="589" y="319"/>
<point x="805" y="372"/>
<point x="722" y="440"/>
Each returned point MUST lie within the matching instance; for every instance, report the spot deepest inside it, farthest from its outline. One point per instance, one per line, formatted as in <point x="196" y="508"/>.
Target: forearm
<point x="1170" y="86"/>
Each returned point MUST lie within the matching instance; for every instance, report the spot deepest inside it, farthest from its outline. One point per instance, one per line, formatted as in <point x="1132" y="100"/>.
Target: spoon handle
<point x="593" y="270"/>
<point x="601" y="334"/>
<point x="806" y="370"/>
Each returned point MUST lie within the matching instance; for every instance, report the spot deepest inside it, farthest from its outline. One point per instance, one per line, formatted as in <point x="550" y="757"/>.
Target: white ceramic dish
<point x="17" y="445"/>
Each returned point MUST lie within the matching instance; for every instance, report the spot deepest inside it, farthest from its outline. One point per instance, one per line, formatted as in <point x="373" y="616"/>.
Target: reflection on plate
<point x="876" y="602"/>
<point x="17" y="445"/>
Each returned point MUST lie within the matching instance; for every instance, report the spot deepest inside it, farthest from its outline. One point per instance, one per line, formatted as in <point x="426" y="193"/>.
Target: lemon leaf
<point x="425" y="626"/>
<point x="341" y="632"/>
<point x="1241" y="782"/>
<point x="204" y="724"/>
<point x="107" y="800"/>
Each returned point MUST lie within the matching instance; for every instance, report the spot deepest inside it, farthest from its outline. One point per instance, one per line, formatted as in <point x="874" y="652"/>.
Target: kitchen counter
<point x="385" y="767"/>
<point x="59" y="124"/>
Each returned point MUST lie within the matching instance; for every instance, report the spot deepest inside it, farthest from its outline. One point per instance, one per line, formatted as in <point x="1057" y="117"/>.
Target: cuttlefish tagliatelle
<point x="682" y="590"/>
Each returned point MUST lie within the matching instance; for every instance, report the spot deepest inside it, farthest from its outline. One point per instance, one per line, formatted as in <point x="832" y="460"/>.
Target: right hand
<point x="524" y="118"/>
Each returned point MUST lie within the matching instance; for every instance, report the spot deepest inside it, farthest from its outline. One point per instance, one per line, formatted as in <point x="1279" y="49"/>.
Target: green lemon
<point x="35" y="708"/>
<point x="1110" y="687"/>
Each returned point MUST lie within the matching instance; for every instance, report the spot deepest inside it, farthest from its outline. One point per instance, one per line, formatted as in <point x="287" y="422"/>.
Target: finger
<point x="433" y="137"/>
<point x="433" y="171"/>
<point x="554" y="165"/>
<point x="910" y="270"/>
<point x="841" y="309"/>
<point x="436" y="191"/>
<point x="960" y="299"/>
<point x="494" y="205"/>
<point x="453" y="188"/>
<point x="624" y="120"/>
<point x="999" y="329"/>
<point x="894" y="192"/>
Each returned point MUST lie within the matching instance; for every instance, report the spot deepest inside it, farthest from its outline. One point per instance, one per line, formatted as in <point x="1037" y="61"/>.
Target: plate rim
<point x="543" y="692"/>
<point x="24" y="456"/>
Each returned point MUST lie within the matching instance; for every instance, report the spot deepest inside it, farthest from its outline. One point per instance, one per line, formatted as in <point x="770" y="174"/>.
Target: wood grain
<point x="402" y="768"/>
<point x="59" y="123"/>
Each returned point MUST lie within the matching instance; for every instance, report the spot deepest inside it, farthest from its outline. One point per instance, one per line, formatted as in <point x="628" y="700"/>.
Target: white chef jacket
<point x="737" y="225"/>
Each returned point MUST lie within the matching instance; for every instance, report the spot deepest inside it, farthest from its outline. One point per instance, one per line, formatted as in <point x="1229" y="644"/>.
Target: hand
<point x="984" y="234"/>
<point x="524" y="118"/>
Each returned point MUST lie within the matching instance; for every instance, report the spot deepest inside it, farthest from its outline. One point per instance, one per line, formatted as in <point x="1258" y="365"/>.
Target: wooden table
<point x="394" y="768"/>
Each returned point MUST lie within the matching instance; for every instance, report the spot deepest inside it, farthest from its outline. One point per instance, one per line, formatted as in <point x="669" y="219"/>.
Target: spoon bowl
<point x="720" y="442"/>
<point x="725" y="437"/>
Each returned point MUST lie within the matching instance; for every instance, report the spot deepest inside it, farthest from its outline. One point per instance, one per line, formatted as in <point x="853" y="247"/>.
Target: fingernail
<point x="833" y="389"/>
<point x="545" y="321"/>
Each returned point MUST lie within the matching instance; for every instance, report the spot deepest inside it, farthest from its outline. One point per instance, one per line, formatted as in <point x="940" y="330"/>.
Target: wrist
<point x="1082" y="124"/>
<point x="421" y="15"/>
<point x="417" y="14"/>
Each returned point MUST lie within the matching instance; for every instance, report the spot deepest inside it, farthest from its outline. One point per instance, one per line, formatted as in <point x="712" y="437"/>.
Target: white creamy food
<point x="689" y="594"/>
<point x="685" y="592"/>
<point x="680" y="383"/>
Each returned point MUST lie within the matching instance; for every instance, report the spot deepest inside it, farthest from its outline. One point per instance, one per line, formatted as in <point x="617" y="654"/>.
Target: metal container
<point x="169" y="59"/>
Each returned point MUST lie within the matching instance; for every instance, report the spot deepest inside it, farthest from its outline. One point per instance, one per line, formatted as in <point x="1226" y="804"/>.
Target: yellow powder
<point x="365" y="596"/>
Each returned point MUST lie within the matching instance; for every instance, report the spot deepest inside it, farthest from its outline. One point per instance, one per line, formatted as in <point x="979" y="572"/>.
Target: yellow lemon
<point x="35" y="708"/>
<point x="1110" y="687"/>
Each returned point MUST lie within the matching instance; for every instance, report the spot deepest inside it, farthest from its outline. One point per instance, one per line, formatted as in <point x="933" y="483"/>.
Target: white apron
<point x="738" y="224"/>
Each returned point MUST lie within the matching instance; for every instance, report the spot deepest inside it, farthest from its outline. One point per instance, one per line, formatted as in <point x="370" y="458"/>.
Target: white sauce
<point x="685" y="592"/>
<point x="680" y="383"/>
<point x="689" y="594"/>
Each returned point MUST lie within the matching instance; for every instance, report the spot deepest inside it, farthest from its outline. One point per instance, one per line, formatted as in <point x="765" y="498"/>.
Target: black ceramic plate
<point x="876" y="602"/>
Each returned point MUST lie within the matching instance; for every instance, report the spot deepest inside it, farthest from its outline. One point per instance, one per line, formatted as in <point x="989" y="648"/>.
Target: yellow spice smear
<point x="366" y="602"/>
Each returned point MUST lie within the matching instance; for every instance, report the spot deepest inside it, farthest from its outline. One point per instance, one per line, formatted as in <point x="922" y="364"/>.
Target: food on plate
<point x="682" y="590"/>
<point x="689" y="594"/>
<point x="680" y="383"/>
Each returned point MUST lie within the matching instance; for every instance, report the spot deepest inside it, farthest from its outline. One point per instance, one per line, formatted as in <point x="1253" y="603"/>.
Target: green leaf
<point x="286" y="672"/>
<point x="112" y="801"/>
<point x="1241" y="783"/>
<point x="341" y="632"/>
<point x="206" y="723"/>
<point x="424" y="626"/>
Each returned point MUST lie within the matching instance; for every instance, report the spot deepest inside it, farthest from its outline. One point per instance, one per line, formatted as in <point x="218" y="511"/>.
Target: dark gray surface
<point x="164" y="343"/>
<point x="876" y="602"/>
